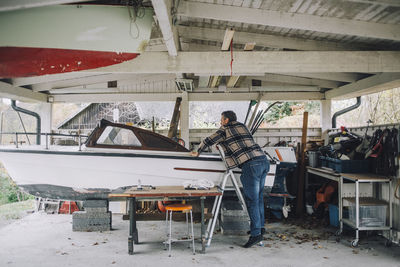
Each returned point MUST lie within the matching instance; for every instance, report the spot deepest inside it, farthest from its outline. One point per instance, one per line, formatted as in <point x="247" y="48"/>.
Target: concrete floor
<point x="47" y="240"/>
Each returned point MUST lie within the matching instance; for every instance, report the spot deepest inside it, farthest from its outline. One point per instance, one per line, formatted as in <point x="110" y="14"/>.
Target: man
<point x="241" y="151"/>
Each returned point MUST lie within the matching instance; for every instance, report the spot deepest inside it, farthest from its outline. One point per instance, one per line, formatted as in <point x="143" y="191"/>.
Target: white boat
<point x="115" y="156"/>
<point x="65" y="38"/>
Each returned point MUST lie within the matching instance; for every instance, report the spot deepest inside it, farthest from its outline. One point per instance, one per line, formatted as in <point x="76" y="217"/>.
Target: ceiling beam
<point x="218" y="63"/>
<point x="193" y="47"/>
<point x="50" y="78"/>
<point x="217" y="96"/>
<point x="74" y="90"/>
<point x="8" y="5"/>
<point x="339" y="77"/>
<point x="269" y="40"/>
<point x="121" y="78"/>
<point x="378" y="2"/>
<point x="162" y="8"/>
<point x="289" y="20"/>
<point x="85" y="80"/>
<point x="264" y="88"/>
<point x="270" y="77"/>
<point x="20" y="93"/>
<point x="373" y="84"/>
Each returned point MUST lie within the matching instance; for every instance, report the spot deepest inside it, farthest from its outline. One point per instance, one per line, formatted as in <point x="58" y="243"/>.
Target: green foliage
<point x="8" y="190"/>
<point x="279" y="111"/>
<point x="313" y="107"/>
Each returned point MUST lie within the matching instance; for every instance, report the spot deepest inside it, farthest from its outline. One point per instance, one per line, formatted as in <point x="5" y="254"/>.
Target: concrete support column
<point x="46" y="116"/>
<point x="185" y="119"/>
<point x="326" y="118"/>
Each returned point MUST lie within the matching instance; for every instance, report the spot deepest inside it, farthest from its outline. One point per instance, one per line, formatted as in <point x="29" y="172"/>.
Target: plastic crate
<point x="324" y="161"/>
<point x="371" y="215"/>
<point x="348" y="166"/>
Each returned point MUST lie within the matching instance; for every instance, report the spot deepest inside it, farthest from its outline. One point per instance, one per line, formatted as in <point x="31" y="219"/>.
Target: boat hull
<point x="65" y="38"/>
<point x="45" y="173"/>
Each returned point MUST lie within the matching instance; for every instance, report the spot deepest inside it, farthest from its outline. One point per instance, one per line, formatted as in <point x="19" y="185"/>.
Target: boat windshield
<point x="121" y="136"/>
<point x="118" y="136"/>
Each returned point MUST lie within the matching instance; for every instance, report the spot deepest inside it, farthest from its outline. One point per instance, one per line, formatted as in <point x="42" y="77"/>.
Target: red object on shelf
<point x="68" y="207"/>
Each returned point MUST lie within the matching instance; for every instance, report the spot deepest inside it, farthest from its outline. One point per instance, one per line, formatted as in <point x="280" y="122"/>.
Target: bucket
<point x="313" y="158"/>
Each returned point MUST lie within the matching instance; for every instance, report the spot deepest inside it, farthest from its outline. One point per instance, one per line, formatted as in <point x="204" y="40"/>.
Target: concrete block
<point x="235" y="228"/>
<point x="97" y="210"/>
<point x="232" y="208"/>
<point x="225" y="218"/>
<point x="91" y="221"/>
<point x="84" y="215"/>
<point x="234" y="220"/>
<point x="95" y="203"/>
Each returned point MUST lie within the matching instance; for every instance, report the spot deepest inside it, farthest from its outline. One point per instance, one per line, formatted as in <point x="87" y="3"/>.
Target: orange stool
<point x="184" y="209"/>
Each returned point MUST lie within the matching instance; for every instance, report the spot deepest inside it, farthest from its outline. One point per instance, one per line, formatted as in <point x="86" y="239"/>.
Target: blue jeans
<point x="253" y="179"/>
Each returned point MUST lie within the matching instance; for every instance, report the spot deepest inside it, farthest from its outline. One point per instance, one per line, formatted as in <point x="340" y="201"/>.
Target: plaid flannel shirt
<point x="237" y="142"/>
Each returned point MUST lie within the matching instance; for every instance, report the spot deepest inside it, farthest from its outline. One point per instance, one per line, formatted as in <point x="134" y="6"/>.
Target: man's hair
<point x="229" y="114"/>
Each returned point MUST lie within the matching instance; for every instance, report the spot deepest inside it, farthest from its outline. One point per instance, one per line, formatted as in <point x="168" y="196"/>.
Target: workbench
<point x="161" y="193"/>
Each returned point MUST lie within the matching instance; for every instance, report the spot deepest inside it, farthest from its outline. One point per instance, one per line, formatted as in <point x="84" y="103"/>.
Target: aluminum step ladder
<point x="218" y="200"/>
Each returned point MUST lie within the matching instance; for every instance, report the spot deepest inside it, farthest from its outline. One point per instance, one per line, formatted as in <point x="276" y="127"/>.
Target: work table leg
<point x="133" y="233"/>
<point x="202" y="237"/>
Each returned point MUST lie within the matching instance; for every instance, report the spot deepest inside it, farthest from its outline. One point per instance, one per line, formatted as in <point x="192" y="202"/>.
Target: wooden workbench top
<point x="167" y="191"/>
<point x="365" y="177"/>
<point x="324" y="170"/>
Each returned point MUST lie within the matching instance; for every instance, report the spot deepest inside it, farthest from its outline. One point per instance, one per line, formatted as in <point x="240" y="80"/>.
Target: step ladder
<point x="218" y="200"/>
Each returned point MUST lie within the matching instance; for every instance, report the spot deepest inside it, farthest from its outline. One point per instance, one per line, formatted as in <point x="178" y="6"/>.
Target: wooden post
<point x="300" y="187"/>
<point x="173" y="127"/>
<point x="153" y="125"/>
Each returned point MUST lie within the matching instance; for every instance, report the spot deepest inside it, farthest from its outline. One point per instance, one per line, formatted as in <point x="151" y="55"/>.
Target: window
<point x="154" y="141"/>
<point x="118" y="136"/>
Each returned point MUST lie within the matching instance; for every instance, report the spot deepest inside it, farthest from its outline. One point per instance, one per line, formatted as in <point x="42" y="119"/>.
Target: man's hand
<point x="194" y="154"/>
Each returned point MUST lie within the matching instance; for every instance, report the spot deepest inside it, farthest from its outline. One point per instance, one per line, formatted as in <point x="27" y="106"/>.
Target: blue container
<point x="334" y="215"/>
<point x="323" y="160"/>
<point x="348" y="166"/>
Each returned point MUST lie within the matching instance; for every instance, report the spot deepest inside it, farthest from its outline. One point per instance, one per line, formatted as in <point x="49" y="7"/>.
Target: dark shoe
<point x="262" y="231"/>
<point x="253" y="240"/>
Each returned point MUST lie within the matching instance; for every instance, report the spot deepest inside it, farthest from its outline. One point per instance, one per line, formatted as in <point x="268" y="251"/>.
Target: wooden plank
<point x="173" y="128"/>
<point x="300" y="188"/>
<point x="166" y="191"/>
<point x="227" y="39"/>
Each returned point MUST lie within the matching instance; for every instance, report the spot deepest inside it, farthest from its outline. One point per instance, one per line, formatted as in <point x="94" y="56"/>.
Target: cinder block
<point x="233" y="208"/>
<point x="84" y="221"/>
<point x="234" y="220"/>
<point x="87" y="215"/>
<point x="97" y="210"/>
<point x="95" y="203"/>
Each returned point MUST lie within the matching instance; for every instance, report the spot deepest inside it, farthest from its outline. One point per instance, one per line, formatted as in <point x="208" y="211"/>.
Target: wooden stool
<point x="184" y="209"/>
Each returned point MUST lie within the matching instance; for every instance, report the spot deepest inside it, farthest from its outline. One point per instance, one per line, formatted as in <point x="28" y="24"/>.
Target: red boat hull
<point x="29" y="61"/>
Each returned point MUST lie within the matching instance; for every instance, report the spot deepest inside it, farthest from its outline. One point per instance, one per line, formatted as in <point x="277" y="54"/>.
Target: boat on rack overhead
<point x="114" y="157"/>
<point x="66" y="38"/>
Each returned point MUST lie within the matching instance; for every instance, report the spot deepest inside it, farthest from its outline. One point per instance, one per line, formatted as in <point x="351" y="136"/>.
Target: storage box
<point x="372" y="212"/>
<point x="347" y="166"/>
<point x="323" y="160"/>
<point x="333" y="215"/>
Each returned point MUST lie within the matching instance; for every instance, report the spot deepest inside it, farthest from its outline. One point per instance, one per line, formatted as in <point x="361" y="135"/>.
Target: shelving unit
<point x="365" y="202"/>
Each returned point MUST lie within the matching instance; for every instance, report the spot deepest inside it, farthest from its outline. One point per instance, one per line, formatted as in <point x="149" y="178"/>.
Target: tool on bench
<point x="218" y="200"/>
